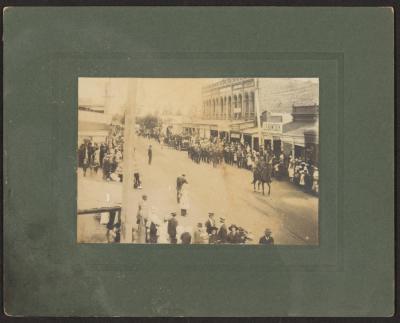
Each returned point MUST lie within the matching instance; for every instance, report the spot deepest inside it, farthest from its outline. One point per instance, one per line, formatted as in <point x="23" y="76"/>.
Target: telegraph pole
<point x="128" y="198"/>
<point x="257" y="102"/>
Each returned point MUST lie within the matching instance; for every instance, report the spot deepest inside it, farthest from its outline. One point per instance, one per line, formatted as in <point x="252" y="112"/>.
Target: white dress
<point x="184" y="200"/>
<point x="291" y="171"/>
<point x="302" y="177"/>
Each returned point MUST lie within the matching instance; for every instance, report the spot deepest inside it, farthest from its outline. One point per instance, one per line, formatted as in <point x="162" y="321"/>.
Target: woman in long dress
<point x="315" y="186"/>
<point x="291" y="171"/>
<point x="184" y="200"/>
<point x="142" y="218"/>
<point x="96" y="160"/>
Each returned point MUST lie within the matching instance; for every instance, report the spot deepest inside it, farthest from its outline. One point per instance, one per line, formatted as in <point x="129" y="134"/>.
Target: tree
<point x="119" y="118"/>
<point x="149" y="122"/>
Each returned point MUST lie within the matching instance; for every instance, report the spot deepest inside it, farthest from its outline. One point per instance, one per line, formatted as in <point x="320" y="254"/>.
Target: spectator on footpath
<point x="200" y="236"/>
<point x="172" y="224"/>
<point x="222" y="232"/>
<point x="153" y="224"/>
<point x="267" y="238"/>
<point x="141" y="219"/>
<point x="315" y="185"/>
<point x="242" y="235"/>
<point x="233" y="236"/>
<point x="186" y="237"/>
<point x="291" y="171"/>
<point x="115" y="234"/>
<point x="213" y="237"/>
<point x="112" y="226"/>
<point x="210" y="222"/>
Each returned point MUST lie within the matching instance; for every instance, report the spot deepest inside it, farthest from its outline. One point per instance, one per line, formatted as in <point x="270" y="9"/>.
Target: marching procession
<point x="215" y="151"/>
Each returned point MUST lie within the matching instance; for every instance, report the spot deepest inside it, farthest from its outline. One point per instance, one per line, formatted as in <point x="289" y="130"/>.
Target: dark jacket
<point x="264" y="240"/>
<point x="223" y="234"/>
<point x="186" y="238"/>
<point x="179" y="182"/>
<point x="213" y="238"/>
<point x="233" y="237"/>
<point x="209" y="226"/>
<point x="172" y="224"/>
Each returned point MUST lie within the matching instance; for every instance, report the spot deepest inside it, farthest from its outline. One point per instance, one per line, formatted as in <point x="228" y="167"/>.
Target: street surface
<point x="291" y="214"/>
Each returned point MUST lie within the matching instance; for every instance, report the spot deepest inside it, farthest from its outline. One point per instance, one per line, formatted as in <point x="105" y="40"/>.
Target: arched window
<point x="240" y="105"/>
<point x="229" y="107"/>
<point x="252" y="105"/>
<point x="246" y="105"/>
<point x="225" y="114"/>
<point x="235" y="105"/>
<point x="213" y="113"/>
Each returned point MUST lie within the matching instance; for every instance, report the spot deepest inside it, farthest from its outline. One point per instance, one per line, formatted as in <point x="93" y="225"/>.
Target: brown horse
<point x="262" y="174"/>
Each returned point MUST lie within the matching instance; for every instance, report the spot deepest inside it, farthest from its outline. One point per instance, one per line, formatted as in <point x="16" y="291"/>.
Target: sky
<point x="184" y="94"/>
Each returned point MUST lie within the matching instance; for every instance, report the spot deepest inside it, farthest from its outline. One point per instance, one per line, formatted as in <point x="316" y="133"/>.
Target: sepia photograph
<point x="198" y="161"/>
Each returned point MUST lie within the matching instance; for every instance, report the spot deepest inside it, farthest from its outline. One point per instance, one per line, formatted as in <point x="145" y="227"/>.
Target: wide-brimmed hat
<point x="232" y="226"/>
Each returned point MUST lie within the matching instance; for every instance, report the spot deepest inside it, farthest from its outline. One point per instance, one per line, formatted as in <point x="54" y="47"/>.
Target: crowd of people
<point x="104" y="156"/>
<point x="216" y="151"/>
<point x="153" y="229"/>
<point x="108" y="157"/>
<point x="95" y="156"/>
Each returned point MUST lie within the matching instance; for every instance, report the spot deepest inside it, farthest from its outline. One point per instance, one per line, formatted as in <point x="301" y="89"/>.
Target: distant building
<point x="228" y="107"/>
<point x="93" y="124"/>
<point x="229" y="111"/>
<point x="174" y="123"/>
<point x="305" y="113"/>
<point x="230" y="99"/>
<point x="301" y="136"/>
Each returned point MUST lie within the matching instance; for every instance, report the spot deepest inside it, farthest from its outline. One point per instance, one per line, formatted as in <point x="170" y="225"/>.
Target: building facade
<point x="229" y="111"/>
<point x="93" y="124"/>
<point x="230" y="99"/>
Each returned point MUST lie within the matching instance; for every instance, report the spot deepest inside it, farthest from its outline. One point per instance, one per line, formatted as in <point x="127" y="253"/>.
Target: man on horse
<point x="262" y="174"/>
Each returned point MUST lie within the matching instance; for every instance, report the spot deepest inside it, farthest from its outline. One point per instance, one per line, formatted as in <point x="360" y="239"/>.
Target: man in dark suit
<point x="172" y="224"/>
<point x="210" y="222"/>
<point x="267" y="239"/>
<point x="222" y="232"/>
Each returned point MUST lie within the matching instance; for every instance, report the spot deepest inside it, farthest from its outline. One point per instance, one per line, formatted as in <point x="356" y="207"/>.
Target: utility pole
<point x="128" y="198"/>
<point x="257" y="102"/>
